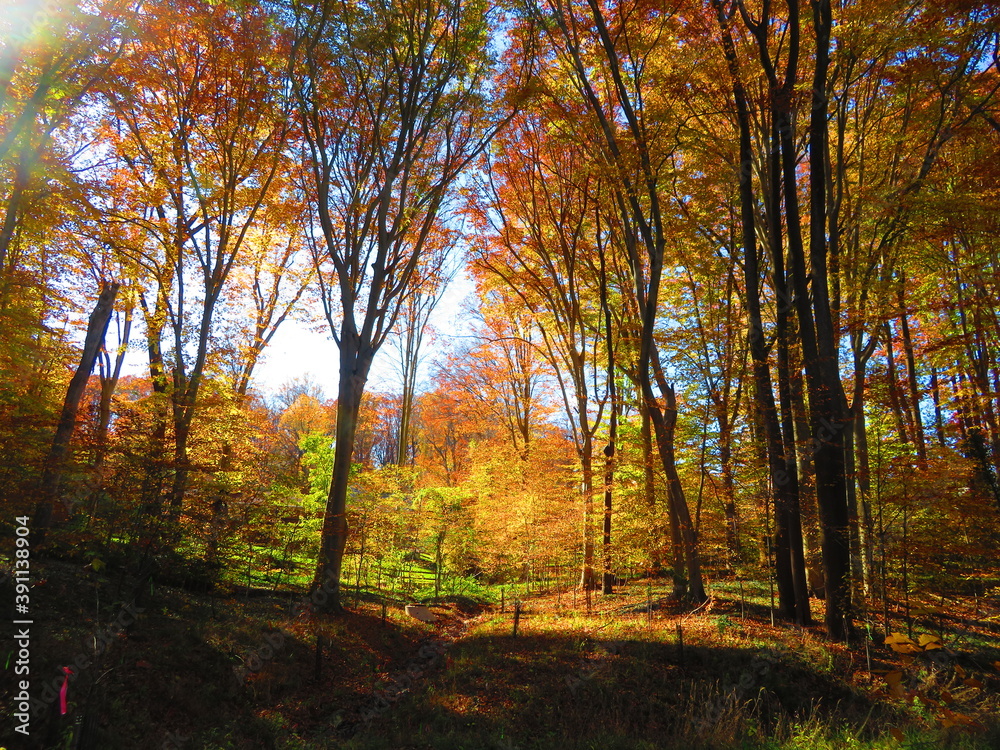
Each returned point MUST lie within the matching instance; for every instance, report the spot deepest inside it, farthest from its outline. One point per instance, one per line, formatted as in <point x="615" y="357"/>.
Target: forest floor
<point x="253" y="669"/>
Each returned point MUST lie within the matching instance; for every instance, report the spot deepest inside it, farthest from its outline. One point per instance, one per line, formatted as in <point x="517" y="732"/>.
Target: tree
<point x="54" y="463"/>
<point x="412" y="326"/>
<point x="391" y="109"/>
<point x="198" y="125"/>
<point x="501" y="377"/>
<point x="50" y="63"/>
<point x="535" y="218"/>
<point x="789" y="560"/>
<point x="610" y="77"/>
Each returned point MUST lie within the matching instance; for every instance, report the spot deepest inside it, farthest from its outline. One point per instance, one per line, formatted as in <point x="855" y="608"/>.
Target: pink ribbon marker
<point x="64" y="689"/>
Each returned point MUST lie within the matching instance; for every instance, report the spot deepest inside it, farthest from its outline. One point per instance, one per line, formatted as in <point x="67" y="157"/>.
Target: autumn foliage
<point x="735" y="308"/>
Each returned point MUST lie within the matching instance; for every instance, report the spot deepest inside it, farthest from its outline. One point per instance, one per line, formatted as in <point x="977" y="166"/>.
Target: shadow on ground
<point x="571" y="692"/>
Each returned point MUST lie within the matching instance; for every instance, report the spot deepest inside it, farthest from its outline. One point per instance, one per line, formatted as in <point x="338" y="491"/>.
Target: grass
<point x="235" y="671"/>
<point x="576" y="681"/>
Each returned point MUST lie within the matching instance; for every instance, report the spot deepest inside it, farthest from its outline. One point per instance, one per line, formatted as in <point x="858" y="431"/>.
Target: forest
<point x="714" y="461"/>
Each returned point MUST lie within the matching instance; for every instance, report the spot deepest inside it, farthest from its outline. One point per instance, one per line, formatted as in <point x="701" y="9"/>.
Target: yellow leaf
<point x="929" y="641"/>
<point x="97" y="564"/>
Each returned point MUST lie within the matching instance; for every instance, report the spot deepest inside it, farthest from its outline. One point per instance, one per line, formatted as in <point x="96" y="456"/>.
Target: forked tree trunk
<point x="789" y="559"/>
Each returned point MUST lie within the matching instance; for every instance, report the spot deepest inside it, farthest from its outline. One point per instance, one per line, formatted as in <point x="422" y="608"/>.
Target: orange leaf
<point x="898" y="734"/>
<point x="973" y="682"/>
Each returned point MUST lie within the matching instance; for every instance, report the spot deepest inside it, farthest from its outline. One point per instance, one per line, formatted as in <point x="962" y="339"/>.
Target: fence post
<point x="649" y="603"/>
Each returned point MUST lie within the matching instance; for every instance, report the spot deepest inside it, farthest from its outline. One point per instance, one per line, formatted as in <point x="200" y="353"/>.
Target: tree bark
<point x="911" y="377"/>
<point x="789" y="558"/>
<point x="609" y="450"/>
<point x="821" y="350"/>
<point x="664" y="424"/>
<point x="55" y="462"/>
<point x="354" y="367"/>
<point x="588" y="579"/>
<point x="156" y="461"/>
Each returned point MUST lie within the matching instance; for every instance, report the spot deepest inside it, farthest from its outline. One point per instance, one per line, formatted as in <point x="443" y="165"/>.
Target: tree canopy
<point x="735" y="310"/>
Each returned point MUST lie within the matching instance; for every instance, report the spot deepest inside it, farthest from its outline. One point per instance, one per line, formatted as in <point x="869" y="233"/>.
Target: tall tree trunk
<point x="607" y="582"/>
<point x="55" y="462"/>
<point x="911" y="377"/>
<point x="110" y="375"/>
<point x="156" y="460"/>
<point x="806" y="466"/>
<point x="354" y="368"/>
<point x="187" y="386"/>
<point x="664" y="425"/>
<point x="895" y="397"/>
<point x="609" y="450"/>
<point x="733" y="543"/>
<point x="792" y="590"/>
<point x="649" y="489"/>
<point x="588" y="579"/>
<point x="821" y="349"/>
<point x="12" y="211"/>
<point x="862" y="471"/>
<point x="786" y="482"/>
